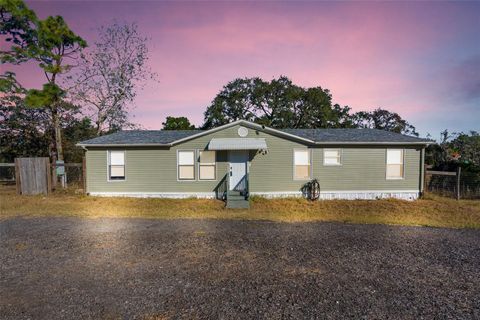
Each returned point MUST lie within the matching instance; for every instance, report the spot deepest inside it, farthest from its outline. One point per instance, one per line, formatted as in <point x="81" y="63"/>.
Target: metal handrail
<point x="222" y="188"/>
<point x="227" y="185"/>
<point x="228" y="179"/>
<point x="243" y="185"/>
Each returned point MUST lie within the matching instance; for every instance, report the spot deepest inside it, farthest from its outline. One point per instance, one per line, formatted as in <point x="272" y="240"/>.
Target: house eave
<point x="254" y="126"/>
<point x="85" y="146"/>
<point x="381" y="143"/>
<point x="110" y="145"/>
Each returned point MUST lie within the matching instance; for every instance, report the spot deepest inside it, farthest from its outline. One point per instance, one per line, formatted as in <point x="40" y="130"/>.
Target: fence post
<point x="459" y="170"/>
<point x="17" y="177"/>
<point x="425" y="185"/>
<point x="49" y="176"/>
<point x="54" y="173"/>
<point x="84" y="174"/>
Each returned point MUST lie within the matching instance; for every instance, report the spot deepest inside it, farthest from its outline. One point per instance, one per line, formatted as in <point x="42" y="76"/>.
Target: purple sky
<point x="421" y="60"/>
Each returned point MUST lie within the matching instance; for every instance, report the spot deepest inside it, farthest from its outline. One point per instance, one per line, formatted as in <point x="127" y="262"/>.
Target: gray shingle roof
<point x="140" y="137"/>
<point x="353" y="135"/>
<point x="161" y="137"/>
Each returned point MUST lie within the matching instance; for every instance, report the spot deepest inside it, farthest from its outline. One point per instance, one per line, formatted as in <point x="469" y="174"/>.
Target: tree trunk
<point x="98" y="130"/>
<point x="58" y="133"/>
<point x="56" y="120"/>
<point x="99" y="123"/>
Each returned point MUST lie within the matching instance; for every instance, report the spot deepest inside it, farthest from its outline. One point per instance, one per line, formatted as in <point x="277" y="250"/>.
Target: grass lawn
<point x="431" y="211"/>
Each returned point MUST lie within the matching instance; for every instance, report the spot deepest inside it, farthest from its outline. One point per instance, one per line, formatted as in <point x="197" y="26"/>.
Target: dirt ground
<point x="113" y="268"/>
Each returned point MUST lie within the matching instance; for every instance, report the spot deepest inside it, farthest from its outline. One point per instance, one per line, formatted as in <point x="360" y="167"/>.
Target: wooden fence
<point x="33" y="176"/>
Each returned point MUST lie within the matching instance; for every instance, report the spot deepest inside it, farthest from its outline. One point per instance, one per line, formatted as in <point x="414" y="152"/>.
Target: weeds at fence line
<point x="73" y="171"/>
<point x="467" y="186"/>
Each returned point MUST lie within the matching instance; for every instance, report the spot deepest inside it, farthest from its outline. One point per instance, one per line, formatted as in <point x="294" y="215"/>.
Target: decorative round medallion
<point x="242" y="132"/>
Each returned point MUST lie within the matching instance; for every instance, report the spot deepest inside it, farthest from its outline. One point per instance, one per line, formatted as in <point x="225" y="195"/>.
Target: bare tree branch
<point x="111" y="76"/>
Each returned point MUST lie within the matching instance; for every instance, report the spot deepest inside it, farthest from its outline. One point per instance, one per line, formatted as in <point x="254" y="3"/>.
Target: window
<point x="206" y="165"/>
<point x="186" y="165"/>
<point x="332" y="157"/>
<point x="301" y="164"/>
<point x="116" y="165"/>
<point x="395" y="164"/>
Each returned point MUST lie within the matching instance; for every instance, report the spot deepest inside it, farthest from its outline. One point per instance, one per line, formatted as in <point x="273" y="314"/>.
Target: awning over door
<point x="237" y="144"/>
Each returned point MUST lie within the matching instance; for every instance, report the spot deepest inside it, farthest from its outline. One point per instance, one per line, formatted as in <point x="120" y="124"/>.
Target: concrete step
<point x="235" y="197"/>
<point x="238" y="204"/>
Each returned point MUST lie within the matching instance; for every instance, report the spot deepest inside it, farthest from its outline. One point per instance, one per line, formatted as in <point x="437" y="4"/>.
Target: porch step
<point x="235" y="197"/>
<point x="236" y="200"/>
<point x="238" y="203"/>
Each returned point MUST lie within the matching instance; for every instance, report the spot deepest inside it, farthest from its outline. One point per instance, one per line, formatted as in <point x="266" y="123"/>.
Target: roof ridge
<point x="137" y="137"/>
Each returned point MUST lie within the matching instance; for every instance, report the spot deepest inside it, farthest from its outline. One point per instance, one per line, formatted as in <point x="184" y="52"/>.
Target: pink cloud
<point x="368" y="54"/>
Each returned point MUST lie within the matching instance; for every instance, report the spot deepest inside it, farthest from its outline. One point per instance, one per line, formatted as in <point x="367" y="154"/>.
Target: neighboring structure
<point x="244" y="158"/>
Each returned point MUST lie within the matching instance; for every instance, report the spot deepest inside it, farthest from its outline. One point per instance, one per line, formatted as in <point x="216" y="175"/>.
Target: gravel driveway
<point x="158" y="269"/>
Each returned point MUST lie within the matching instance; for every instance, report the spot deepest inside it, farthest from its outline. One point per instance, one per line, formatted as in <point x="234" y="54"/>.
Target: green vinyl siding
<point x="154" y="169"/>
<point x="364" y="168"/>
<point x="273" y="171"/>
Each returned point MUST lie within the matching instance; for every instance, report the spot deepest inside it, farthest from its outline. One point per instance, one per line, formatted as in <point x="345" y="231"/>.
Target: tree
<point x="467" y="146"/>
<point x="384" y="120"/>
<point x="438" y="154"/>
<point x="177" y="123"/>
<point x="111" y="75"/>
<point x="22" y="130"/>
<point x="50" y="42"/>
<point x="278" y="103"/>
<point x="455" y="149"/>
<point x="28" y="132"/>
<point x="17" y="25"/>
<point x="78" y="129"/>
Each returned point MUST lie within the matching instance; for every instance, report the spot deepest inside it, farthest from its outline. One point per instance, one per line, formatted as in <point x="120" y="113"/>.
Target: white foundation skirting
<point x="169" y="195"/>
<point x="324" y="195"/>
<point x="278" y="194"/>
<point x="347" y="195"/>
<point x="403" y="195"/>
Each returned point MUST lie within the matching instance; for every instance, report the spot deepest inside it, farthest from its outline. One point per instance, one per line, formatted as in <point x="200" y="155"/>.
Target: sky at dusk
<point x="421" y="60"/>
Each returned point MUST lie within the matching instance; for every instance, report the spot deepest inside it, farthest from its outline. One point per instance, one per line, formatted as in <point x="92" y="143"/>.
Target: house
<point x="243" y="158"/>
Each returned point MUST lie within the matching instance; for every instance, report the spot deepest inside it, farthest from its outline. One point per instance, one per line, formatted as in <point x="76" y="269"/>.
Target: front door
<point x="238" y="167"/>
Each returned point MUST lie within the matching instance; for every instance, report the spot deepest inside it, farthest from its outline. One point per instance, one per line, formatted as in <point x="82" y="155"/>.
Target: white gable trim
<point x="248" y="124"/>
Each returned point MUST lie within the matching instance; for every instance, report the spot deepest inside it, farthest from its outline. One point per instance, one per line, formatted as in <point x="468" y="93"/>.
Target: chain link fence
<point x="7" y="173"/>
<point x="462" y="185"/>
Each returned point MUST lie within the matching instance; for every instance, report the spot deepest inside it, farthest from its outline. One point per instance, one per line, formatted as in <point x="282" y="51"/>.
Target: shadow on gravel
<point x="154" y="269"/>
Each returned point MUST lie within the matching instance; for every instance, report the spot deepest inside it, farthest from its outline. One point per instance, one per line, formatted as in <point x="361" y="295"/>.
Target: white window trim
<point x="199" y="164"/>
<point x="335" y="164"/>
<point x="403" y="164"/>
<point x="310" y="164"/>
<point x="124" y="166"/>
<point x="194" y="165"/>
